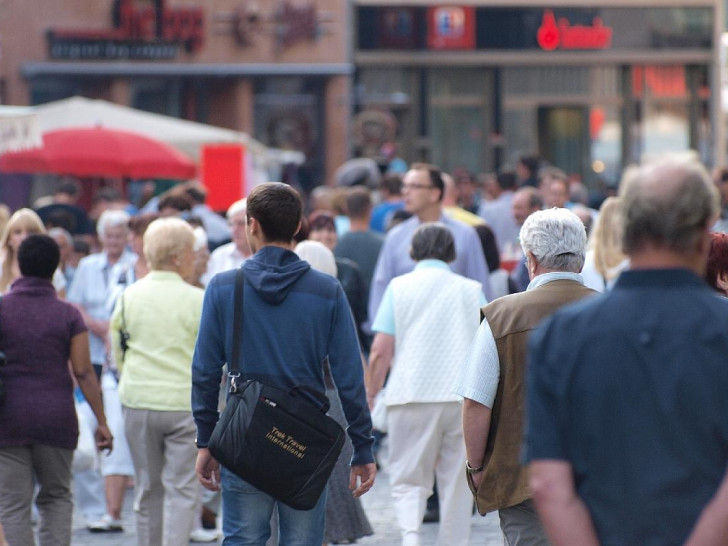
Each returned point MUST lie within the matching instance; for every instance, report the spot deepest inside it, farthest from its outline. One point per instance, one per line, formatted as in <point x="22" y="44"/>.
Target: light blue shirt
<point x="384" y="321"/>
<point x="481" y="373"/>
<point x="394" y="259"/>
<point x="95" y="287"/>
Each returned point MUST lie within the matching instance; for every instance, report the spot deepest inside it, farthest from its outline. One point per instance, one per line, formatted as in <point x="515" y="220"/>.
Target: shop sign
<point x="451" y="27"/>
<point x="398" y="27"/>
<point x="287" y="23"/>
<point x="561" y="34"/>
<point x="149" y="33"/>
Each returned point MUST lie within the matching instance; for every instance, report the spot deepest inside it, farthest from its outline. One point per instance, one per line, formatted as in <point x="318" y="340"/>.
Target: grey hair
<point x="112" y="218"/>
<point x="236" y="207"/>
<point x="433" y="241"/>
<point x="60" y="232"/>
<point x="556" y="238"/>
<point x="668" y="203"/>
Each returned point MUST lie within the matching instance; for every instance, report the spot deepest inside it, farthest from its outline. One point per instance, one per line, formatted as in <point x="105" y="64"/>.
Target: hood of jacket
<point x="273" y="271"/>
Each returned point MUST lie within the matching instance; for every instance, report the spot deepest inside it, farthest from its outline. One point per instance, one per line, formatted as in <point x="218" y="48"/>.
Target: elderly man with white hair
<point x="492" y="381"/>
<point x="233" y="254"/>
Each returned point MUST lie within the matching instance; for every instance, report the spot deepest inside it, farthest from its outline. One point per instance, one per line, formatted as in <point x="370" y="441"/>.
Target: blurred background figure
<point x="321" y="228"/>
<point x="498" y="212"/>
<point x="468" y="190"/>
<point x="99" y="279"/>
<point x="605" y="259"/>
<point x="390" y="201"/>
<point x="720" y="179"/>
<point x="231" y="255"/>
<point x="346" y="520"/>
<point x="360" y="244"/>
<point x="201" y="257"/>
<point x="161" y="315"/>
<point x="38" y="424"/>
<point x="137" y="227"/>
<point x="22" y="223"/>
<point x="716" y="272"/>
<point x="64" y="240"/>
<point x="527" y="168"/>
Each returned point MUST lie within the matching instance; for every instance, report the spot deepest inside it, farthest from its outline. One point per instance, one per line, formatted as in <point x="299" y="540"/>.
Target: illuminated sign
<point x="139" y="33"/>
<point x="451" y="27"/>
<point x="561" y="34"/>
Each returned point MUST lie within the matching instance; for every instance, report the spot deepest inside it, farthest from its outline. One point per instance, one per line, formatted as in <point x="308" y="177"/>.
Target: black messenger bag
<point x="277" y="440"/>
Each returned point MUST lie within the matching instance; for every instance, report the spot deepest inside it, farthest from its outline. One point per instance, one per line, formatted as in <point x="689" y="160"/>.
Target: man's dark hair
<point x="358" y="202"/>
<point x="195" y="195"/>
<point x="68" y="187"/>
<point x="176" y="202"/>
<point x="435" y="176"/>
<point x="38" y="256"/>
<point x="277" y="207"/>
<point x="507" y="180"/>
<point x="433" y="241"/>
<point x="392" y="183"/>
<point x="531" y="162"/>
<point x="107" y="194"/>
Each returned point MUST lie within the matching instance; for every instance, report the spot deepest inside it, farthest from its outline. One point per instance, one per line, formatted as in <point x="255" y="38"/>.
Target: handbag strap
<point x="238" y="297"/>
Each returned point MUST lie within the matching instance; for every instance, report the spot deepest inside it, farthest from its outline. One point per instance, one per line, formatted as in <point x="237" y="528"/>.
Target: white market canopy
<point x="186" y="136"/>
<point x="18" y="129"/>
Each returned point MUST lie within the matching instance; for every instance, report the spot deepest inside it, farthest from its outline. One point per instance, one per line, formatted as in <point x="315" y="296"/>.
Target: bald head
<point x="669" y="205"/>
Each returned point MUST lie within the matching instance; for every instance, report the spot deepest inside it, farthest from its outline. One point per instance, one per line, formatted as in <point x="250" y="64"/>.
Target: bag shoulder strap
<point x="238" y="297"/>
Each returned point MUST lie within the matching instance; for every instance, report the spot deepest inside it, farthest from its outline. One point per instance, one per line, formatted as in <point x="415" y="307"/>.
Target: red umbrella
<point x="100" y="152"/>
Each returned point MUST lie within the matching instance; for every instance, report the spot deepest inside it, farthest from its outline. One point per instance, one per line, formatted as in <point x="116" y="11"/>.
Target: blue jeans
<point x="246" y="513"/>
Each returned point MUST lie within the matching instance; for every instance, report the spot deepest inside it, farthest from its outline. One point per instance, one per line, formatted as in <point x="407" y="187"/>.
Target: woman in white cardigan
<point x="424" y="327"/>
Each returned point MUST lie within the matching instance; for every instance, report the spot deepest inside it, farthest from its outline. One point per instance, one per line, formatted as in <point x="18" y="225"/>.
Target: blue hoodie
<point x="293" y="318"/>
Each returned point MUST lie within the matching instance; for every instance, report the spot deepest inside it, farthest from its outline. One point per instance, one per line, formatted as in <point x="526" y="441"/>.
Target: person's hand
<point x="362" y="478"/>
<point x="207" y="469"/>
<point x="476" y="479"/>
<point x="104" y="438"/>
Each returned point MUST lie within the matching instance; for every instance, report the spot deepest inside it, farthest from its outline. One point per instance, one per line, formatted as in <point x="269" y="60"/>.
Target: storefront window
<point x="458" y="117"/>
<point x="663" y="113"/>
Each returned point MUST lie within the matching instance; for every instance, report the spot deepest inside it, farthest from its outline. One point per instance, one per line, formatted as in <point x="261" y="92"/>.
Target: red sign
<point x="134" y="29"/>
<point x="561" y="34"/>
<point x="223" y="169"/>
<point x="451" y="27"/>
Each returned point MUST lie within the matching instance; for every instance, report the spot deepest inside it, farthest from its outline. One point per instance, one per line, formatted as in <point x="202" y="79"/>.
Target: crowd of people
<point x="464" y="310"/>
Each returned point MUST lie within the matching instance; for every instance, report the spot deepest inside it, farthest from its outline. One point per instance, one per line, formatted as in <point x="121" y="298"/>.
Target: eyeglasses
<point x="415" y="186"/>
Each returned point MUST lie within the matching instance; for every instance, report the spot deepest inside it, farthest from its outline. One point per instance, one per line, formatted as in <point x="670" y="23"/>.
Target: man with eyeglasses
<point x="422" y="191"/>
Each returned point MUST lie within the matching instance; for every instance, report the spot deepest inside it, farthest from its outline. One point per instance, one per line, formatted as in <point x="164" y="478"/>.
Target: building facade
<point x="589" y="85"/>
<point x="277" y="69"/>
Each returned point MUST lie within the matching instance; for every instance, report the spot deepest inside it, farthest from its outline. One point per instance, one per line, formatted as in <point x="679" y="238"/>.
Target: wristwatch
<point x="471" y="470"/>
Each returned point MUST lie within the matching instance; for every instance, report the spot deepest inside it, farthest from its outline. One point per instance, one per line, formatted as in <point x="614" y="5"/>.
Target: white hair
<point x="237" y="206"/>
<point x="318" y="255"/>
<point x="112" y="218"/>
<point x="200" y="238"/>
<point x="557" y="239"/>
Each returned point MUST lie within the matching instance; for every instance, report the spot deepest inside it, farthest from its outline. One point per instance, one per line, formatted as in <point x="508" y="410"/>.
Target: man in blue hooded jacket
<point x="294" y="318"/>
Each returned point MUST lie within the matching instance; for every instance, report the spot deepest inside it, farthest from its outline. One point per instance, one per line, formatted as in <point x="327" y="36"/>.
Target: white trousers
<point x="426" y="440"/>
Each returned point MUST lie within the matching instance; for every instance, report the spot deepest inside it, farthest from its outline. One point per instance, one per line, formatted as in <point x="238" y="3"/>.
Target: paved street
<point x="378" y="505"/>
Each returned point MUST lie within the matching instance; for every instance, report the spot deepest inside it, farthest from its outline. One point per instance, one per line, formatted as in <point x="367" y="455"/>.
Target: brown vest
<point x="511" y="319"/>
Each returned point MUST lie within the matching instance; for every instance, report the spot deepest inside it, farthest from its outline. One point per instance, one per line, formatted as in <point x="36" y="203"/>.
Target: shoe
<point x="106" y="524"/>
<point x="209" y="519"/>
<point x="203" y="535"/>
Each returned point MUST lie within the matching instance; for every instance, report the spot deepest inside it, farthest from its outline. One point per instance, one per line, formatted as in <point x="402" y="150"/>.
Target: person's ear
<point x="722" y="282"/>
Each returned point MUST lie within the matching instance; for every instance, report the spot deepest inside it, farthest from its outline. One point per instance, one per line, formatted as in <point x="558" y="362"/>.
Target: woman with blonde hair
<point x="159" y="316"/>
<point x="22" y="223"/>
<point x="604" y="257"/>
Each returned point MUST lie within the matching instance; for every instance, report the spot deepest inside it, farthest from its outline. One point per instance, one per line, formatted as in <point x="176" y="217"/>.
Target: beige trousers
<point x="51" y="467"/>
<point x="426" y="440"/>
<point x="166" y="492"/>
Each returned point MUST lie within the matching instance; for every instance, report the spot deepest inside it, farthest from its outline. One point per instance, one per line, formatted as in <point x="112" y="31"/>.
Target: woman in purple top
<point x="38" y="428"/>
